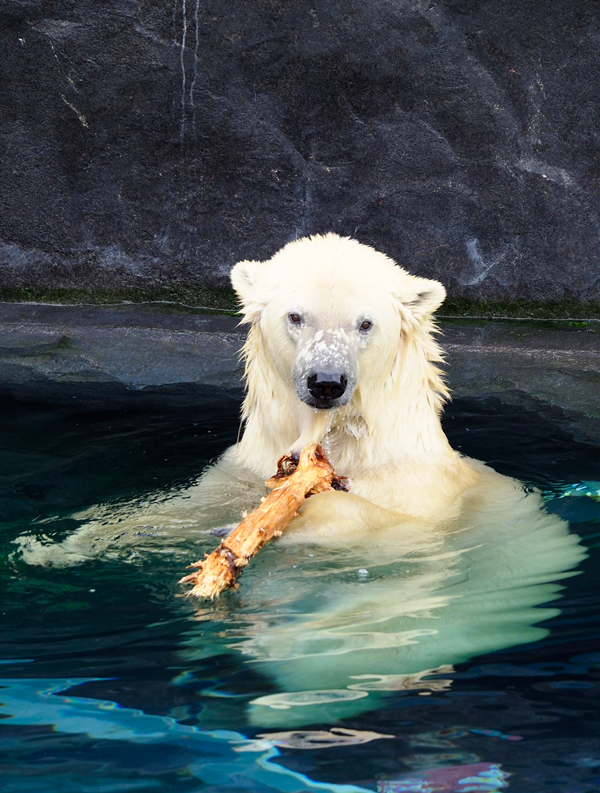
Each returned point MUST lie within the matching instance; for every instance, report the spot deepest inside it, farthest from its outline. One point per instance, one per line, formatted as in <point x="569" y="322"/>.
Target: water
<point x="112" y="682"/>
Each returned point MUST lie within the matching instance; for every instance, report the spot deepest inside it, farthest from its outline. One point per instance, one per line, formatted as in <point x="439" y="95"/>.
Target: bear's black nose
<point x="326" y="387"/>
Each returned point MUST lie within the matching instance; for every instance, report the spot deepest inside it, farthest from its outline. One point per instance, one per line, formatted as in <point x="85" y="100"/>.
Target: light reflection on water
<point x="214" y="756"/>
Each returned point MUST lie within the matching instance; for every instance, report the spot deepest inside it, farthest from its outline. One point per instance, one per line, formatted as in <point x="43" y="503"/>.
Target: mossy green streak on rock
<point x="519" y="309"/>
<point x="224" y="300"/>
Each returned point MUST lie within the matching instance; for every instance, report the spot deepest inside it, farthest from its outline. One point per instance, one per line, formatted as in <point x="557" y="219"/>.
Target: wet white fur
<point x="388" y="439"/>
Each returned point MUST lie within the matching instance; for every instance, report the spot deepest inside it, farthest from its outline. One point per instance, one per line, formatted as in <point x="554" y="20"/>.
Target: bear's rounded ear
<point x="245" y="280"/>
<point x="421" y="296"/>
<point x="428" y="295"/>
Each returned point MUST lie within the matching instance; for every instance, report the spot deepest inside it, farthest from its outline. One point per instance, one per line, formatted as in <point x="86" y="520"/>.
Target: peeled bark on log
<point x="294" y="481"/>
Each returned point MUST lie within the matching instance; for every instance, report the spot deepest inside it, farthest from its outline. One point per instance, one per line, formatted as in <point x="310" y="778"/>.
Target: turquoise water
<point x="112" y="682"/>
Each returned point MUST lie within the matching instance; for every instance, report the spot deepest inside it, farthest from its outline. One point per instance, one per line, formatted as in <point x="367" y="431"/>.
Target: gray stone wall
<point x="149" y="143"/>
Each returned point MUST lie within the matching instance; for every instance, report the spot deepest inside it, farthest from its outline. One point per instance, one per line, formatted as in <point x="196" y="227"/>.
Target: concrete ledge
<point x="54" y="351"/>
<point x="136" y="346"/>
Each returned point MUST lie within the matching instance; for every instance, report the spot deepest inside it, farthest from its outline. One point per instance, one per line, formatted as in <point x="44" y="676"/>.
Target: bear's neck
<point x="395" y="423"/>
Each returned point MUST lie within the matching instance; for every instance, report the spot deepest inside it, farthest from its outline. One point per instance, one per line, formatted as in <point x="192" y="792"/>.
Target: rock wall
<point x="146" y="143"/>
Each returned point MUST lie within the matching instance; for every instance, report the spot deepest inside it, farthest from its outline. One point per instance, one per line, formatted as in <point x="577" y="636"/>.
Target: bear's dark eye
<point x="294" y="318"/>
<point x="366" y="325"/>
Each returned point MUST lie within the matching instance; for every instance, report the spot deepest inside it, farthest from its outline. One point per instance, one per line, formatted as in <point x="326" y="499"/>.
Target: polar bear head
<point x="332" y="312"/>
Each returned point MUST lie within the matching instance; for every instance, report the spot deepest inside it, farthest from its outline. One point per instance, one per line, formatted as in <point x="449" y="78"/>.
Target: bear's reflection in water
<point x="336" y="623"/>
<point x="335" y="628"/>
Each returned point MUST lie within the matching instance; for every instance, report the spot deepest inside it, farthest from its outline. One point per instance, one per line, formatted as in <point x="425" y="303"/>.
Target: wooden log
<point x="295" y="480"/>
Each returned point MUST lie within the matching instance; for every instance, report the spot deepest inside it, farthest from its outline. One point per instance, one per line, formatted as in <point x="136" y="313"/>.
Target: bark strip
<point x="294" y="481"/>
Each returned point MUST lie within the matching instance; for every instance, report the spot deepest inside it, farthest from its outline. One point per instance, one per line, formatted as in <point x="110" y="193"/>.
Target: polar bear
<point x="449" y="557"/>
<point x="430" y="559"/>
<point x="341" y="351"/>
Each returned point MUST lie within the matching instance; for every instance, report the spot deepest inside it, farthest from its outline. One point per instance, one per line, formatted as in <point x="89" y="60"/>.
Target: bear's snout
<point x="325" y="370"/>
<point x="326" y="388"/>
